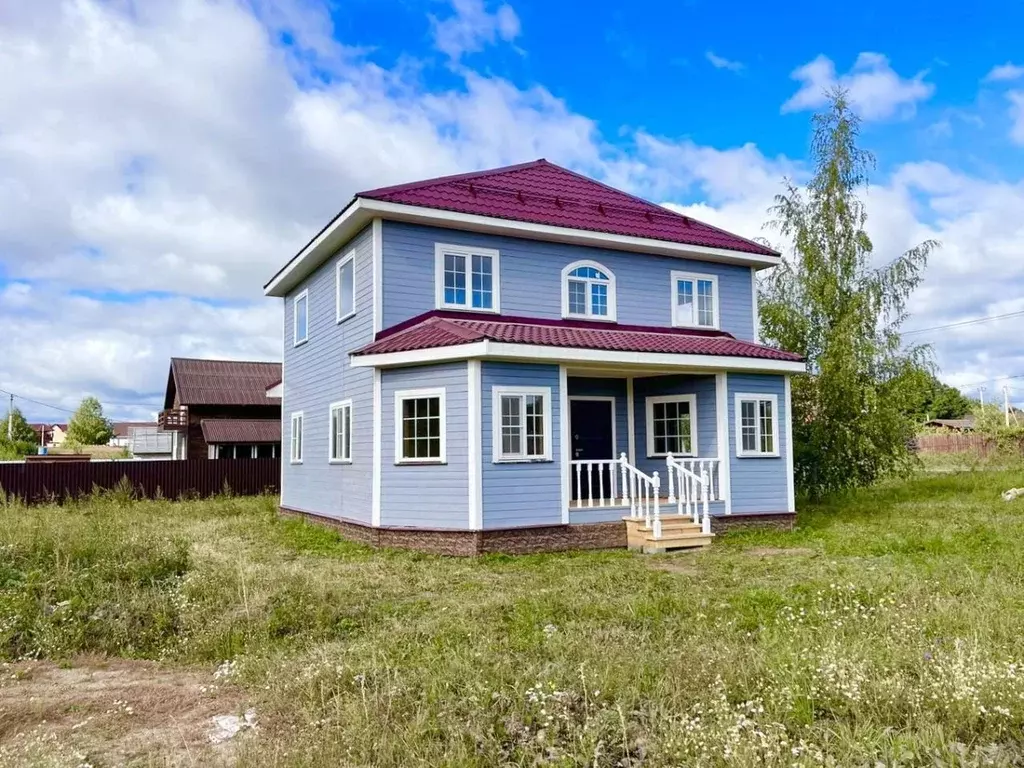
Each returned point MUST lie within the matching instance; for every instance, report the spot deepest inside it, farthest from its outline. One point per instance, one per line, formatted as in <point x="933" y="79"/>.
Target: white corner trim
<point x="497" y="392"/>
<point x="790" y="478"/>
<point x="693" y="277"/>
<point x="630" y="422"/>
<point x="339" y="405"/>
<point x="468" y="252"/>
<point x="722" y="414"/>
<point x="377" y="457"/>
<point x="303" y="296"/>
<point x="503" y="350"/>
<point x="474" y="402"/>
<point x="563" y="438"/>
<point x="688" y="398"/>
<point x="361" y="210"/>
<point x="610" y="282"/>
<point x="756" y="397"/>
<point x="301" y="418"/>
<point x="418" y="394"/>
<point x="348" y="258"/>
<point x="755" y="309"/>
<point x="377" y="263"/>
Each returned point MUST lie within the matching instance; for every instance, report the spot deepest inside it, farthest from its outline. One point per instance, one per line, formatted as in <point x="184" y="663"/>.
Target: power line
<point x="68" y="410"/>
<point x="962" y="323"/>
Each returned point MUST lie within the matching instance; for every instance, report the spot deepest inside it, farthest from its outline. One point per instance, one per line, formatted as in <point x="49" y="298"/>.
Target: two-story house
<point x="525" y="359"/>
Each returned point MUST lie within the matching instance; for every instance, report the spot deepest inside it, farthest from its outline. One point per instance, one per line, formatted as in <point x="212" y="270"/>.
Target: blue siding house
<point x="525" y="359"/>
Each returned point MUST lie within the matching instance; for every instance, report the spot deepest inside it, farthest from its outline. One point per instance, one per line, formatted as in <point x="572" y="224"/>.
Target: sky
<point x="161" y="159"/>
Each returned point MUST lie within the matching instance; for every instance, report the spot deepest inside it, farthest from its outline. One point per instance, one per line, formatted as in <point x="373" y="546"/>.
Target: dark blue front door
<point x="590" y="426"/>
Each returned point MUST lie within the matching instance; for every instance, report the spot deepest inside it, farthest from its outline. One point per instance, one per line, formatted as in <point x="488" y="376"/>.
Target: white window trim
<point x="612" y="302"/>
<point x="692" y="400"/>
<point x="757" y="398"/>
<point x="695" y="276"/>
<point x="340" y="405"/>
<point x="304" y="296"/>
<point x="349" y="258"/>
<point x="416" y="394"/>
<point x="302" y="438"/>
<point x="497" y="455"/>
<point x="440" y="249"/>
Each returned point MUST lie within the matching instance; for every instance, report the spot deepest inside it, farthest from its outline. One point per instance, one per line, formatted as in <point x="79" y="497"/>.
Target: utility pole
<point x="981" y="392"/>
<point x="10" y="419"/>
<point x="1006" y="403"/>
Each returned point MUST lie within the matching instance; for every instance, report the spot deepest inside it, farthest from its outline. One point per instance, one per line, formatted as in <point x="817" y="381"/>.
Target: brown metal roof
<point x="124" y="428"/>
<point x="221" y="382"/>
<point x="241" y="430"/>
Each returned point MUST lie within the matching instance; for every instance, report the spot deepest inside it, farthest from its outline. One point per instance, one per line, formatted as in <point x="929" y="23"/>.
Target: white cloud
<point x="720" y="62"/>
<point x="876" y="91"/>
<point x="1016" y="99"/>
<point x="471" y="28"/>
<point x="1004" y="73"/>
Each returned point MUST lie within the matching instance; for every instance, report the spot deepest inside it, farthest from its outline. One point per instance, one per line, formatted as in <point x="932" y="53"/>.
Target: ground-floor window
<point x="296" y="438"/>
<point x="243" y="451"/>
<point x="757" y="425"/>
<point x="420" y="426"/>
<point x="672" y="425"/>
<point x="341" y="431"/>
<point x="522" y="424"/>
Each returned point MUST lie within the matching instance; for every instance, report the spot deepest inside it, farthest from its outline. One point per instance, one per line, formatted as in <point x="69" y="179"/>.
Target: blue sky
<point x="162" y="158"/>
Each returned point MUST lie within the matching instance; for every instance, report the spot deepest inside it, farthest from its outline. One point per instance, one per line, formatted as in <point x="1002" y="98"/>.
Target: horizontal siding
<point x="707" y="416"/>
<point x="517" y="495"/>
<point x="531" y="278"/>
<point x="317" y="374"/>
<point x="427" y="496"/>
<point x="758" y="484"/>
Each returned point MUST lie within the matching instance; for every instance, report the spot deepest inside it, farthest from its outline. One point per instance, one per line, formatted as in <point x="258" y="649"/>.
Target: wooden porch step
<point x="677" y="532"/>
<point x="652" y="546"/>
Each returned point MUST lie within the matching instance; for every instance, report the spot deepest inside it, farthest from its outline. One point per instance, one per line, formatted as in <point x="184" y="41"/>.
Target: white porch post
<point x="722" y="412"/>
<point x="630" y="422"/>
<point x="564" y="439"/>
<point x="790" y="480"/>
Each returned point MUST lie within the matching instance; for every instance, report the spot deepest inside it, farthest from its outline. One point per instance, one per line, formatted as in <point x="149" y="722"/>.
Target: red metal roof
<point x="241" y="430"/>
<point x="544" y="193"/>
<point x="446" y="329"/>
<point x="221" y="382"/>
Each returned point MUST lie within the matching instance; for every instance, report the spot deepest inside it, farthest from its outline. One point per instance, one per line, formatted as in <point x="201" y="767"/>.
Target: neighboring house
<point x="965" y="424"/>
<point x="122" y="430"/>
<point x="49" y="435"/>
<point x="516" y="360"/>
<point x="150" y="442"/>
<point x="221" y="409"/>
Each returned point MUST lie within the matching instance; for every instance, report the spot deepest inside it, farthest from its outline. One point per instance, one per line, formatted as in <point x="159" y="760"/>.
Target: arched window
<point x="588" y="291"/>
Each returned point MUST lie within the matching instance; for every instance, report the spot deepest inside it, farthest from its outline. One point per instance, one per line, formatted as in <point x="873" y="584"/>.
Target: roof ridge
<point x="222" y="360"/>
<point x="411" y="185"/>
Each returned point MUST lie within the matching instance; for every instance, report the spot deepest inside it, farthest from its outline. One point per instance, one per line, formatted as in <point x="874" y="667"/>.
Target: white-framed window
<point x="694" y="300"/>
<point x="340" y="440"/>
<point x="300" y="318"/>
<point x="420" y="428"/>
<point x="296" y="438"/>
<point x="672" y="425"/>
<point x="588" y="291"/>
<point x="521" y="419"/>
<point x="345" y="287"/>
<point x="757" y="425"/>
<point x="467" y="278"/>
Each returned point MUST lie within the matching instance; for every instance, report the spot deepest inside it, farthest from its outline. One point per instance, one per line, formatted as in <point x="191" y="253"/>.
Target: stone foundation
<point x="782" y="521"/>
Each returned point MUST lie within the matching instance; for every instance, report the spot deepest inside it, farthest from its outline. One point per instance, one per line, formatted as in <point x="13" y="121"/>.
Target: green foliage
<point x="830" y="304"/>
<point x="12" y="451"/>
<point x="929" y="398"/>
<point x="88" y="426"/>
<point x="21" y="431"/>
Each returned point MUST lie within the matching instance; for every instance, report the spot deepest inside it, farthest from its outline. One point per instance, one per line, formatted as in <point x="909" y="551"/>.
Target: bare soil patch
<point x="113" y="713"/>
<point x="670" y="564"/>
<point x="779" y="551"/>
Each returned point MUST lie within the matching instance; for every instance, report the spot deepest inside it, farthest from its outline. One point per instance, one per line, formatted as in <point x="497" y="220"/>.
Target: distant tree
<point x="88" y="426"/>
<point x="829" y="303"/>
<point x="928" y="398"/>
<point x="21" y="431"/>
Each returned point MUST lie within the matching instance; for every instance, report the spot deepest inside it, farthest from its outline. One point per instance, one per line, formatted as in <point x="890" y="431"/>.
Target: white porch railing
<point x="617" y="483"/>
<point x="692" y="485"/>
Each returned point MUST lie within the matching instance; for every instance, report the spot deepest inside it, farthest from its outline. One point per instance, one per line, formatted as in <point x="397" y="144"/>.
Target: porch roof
<point x="437" y="329"/>
<point x="241" y="430"/>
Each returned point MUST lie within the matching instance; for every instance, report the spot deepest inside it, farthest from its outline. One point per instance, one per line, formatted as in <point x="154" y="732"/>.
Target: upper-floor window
<point x="588" y="291"/>
<point x="345" y="286"/>
<point x="467" y="278"/>
<point x="300" y="317"/>
<point x="694" y="300"/>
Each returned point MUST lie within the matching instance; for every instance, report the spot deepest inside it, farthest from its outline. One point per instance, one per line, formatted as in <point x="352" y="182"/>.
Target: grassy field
<point x="888" y="629"/>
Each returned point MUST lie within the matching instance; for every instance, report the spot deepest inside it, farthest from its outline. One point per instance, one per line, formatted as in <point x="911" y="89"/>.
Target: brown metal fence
<point x="956" y="443"/>
<point x="36" y="482"/>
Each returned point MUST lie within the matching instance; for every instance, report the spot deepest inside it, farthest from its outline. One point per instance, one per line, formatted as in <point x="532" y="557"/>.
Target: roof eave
<point x="534" y="352"/>
<point x="363" y="210"/>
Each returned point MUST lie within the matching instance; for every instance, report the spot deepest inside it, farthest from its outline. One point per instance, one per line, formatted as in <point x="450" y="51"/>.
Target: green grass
<point x="889" y="627"/>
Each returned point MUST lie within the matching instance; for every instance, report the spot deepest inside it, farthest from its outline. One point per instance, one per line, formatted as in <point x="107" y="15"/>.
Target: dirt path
<point x="112" y="713"/>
